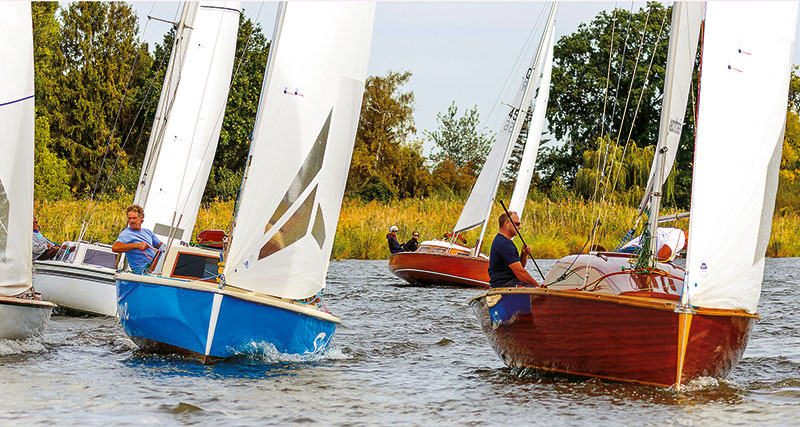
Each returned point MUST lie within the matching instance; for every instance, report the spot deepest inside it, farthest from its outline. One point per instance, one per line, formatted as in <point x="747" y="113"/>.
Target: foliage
<point x="578" y="108"/>
<point x="383" y="151"/>
<point x="458" y="139"/>
<point x="50" y="175"/>
<point x="788" y="195"/>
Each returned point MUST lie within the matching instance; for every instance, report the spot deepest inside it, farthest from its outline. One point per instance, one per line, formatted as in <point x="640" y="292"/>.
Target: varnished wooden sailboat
<point x="601" y="317"/>
<point x="438" y="262"/>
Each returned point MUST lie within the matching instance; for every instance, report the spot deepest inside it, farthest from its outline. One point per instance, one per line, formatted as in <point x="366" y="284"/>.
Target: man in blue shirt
<point x="506" y="266"/>
<point x="139" y="244"/>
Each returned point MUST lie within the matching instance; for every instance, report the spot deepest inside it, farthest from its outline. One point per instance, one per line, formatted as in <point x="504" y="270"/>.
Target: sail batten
<point x="745" y="81"/>
<point x="189" y="119"/>
<point x="302" y="143"/>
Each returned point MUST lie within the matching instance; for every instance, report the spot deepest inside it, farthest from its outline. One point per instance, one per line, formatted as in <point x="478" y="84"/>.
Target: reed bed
<point x="552" y="229"/>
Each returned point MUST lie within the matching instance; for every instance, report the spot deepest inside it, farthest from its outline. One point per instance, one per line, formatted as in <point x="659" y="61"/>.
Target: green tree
<point x="578" y="107"/>
<point x="96" y="89"/>
<point x="252" y="51"/>
<point x="49" y="172"/>
<point x="386" y="161"/>
<point x="459" y="140"/>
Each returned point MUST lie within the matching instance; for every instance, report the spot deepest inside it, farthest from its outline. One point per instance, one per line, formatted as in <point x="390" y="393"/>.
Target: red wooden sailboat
<point x="438" y="262"/>
<point x="601" y="314"/>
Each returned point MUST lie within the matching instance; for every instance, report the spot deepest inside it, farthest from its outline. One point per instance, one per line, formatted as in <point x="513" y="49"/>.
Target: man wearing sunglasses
<point x="412" y="244"/>
<point x="506" y="265"/>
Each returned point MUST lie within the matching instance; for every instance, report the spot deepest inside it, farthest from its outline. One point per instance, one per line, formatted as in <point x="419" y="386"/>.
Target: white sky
<point x="456" y="51"/>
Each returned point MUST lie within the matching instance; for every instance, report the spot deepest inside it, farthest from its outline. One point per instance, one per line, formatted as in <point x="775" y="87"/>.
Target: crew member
<point x="391" y="237"/>
<point x="139" y="244"/>
<point x="413" y="243"/>
<point x="506" y="265"/>
<point x="669" y="242"/>
<point x="43" y="248"/>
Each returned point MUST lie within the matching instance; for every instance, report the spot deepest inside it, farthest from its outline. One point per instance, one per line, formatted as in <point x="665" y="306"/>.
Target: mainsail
<point x="747" y="60"/>
<point x="528" y="162"/>
<point x="478" y="207"/>
<point x="16" y="142"/>
<point x="189" y="118"/>
<point x="300" y="153"/>
<point x="687" y="18"/>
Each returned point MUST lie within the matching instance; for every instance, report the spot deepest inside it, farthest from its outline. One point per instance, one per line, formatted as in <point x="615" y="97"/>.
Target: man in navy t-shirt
<point x="506" y="266"/>
<point x="139" y="244"/>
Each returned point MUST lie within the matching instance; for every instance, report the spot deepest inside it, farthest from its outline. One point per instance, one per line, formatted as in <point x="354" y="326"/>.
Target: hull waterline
<point x="22" y="318"/>
<point x="440" y="269"/>
<point x="199" y="319"/>
<point x="615" y="337"/>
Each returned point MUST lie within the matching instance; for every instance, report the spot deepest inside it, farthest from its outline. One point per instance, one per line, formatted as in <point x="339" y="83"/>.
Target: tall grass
<point x="552" y="229"/>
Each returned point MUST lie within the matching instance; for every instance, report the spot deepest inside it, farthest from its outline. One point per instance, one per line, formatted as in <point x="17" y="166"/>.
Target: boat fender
<point x="492" y="300"/>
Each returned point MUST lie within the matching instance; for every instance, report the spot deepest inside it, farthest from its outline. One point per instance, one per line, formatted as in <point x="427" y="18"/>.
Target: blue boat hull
<point x="211" y="324"/>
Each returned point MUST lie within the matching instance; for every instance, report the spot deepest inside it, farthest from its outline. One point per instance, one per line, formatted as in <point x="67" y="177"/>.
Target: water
<point x="403" y="355"/>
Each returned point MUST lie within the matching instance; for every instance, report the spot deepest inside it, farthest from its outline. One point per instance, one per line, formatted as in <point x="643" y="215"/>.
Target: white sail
<point x="16" y="142"/>
<point x="687" y="18"/>
<point x="528" y="162"/>
<point x="479" y="204"/>
<point x="747" y="58"/>
<point x="189" y="118"/>
<point x="301" y="149"/>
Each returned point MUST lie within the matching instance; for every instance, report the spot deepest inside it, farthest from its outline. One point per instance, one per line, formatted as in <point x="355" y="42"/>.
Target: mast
<point x="520" y="109"/>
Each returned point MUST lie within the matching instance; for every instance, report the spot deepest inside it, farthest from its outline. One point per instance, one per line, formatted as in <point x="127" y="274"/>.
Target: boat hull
<point x="440" y="269"/>
<point x="198" y="319"/>
<point x="86" y="289"/>
<point x="616" y="337"/>
<point x="22" y="318"/>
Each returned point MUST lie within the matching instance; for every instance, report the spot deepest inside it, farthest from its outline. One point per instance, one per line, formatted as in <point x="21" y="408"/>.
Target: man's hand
<point x="525" y="251"/>
<point x="143" y="246"/>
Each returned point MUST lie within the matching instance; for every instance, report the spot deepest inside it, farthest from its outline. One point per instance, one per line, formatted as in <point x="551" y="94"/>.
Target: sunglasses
<point x="517" y="223"/>
<point x="415" y="235"/>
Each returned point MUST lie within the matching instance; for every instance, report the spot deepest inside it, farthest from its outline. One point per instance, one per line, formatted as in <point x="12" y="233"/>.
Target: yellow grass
<point x="551" y="229"/>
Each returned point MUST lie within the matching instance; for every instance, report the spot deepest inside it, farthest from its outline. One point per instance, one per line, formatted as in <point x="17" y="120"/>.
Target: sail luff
<point x="479" y="204"/>
<point x="16" y="141"/>
<point x="528" y="162"/>
<point x="745" y="82"/>
<point x="184" y="148"/>
<point x="300" y="152"/>
<point x="687" y="18"/>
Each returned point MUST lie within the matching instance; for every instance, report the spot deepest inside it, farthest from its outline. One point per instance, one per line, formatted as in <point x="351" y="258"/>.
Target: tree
<point x="579" y="109"/>
<point x="96" y="87"/>
<point x="385" y="160"/>
<point x="252" y="51"/>
<point x="458" y="139"/>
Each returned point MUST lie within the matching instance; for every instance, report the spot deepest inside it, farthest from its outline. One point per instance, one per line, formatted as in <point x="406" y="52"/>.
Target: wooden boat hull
<point x="440" y="269"/>
<point x="83" y="288"/>
<point x="616" y="337"/>
<point x="23" y="318"/>
<point x="197" y="318"/>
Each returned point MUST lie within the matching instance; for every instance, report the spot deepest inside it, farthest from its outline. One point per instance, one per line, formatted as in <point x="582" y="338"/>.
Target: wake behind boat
<point x="22" y="313"/>
<point x="447" y="263"/>
<point x="624" y="318"/>
<point x="268" y="296"/>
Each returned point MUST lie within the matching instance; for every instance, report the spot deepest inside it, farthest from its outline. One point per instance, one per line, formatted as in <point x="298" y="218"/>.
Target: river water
<point x="403" y="355"/>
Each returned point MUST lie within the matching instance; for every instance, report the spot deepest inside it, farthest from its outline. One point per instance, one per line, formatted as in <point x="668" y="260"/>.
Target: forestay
<point x="16" y="142"/>
<point x="747" y="59"/>
<point x="687" y="18"/>
<point x="300" y="153"/>
<point x="479" y="204"/>
<point x="189" y="118"/>
<point x="528" y="161"/>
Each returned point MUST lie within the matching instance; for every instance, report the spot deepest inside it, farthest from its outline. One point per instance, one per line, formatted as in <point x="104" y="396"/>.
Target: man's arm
<point x="125" y="247"/>
<point x="523" y="275"/>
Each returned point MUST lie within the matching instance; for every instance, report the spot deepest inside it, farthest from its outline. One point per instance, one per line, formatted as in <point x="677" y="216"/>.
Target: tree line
<point x="97" y="87"/>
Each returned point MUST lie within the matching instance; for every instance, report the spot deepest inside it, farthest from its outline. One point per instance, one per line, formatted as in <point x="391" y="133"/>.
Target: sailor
<point x="506" y="266"/>
<point x="391" y="237"/>
<point x="43" y="248"/>
<point x="139" y="244"/>
<point x="669" y="242"/>
<point x="412" y="244"/>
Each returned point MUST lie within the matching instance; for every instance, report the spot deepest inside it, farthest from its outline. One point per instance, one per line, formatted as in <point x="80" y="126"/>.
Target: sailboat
<point x="439" y="262"/>
<point x="184" y="138"/>
<point x="22" y="313"/>
<point x="600" y="316"/>
<point x="268" y="296"/>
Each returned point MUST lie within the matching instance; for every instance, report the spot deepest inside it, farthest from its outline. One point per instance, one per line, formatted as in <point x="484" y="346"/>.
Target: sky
<point x="470" y="53"/>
